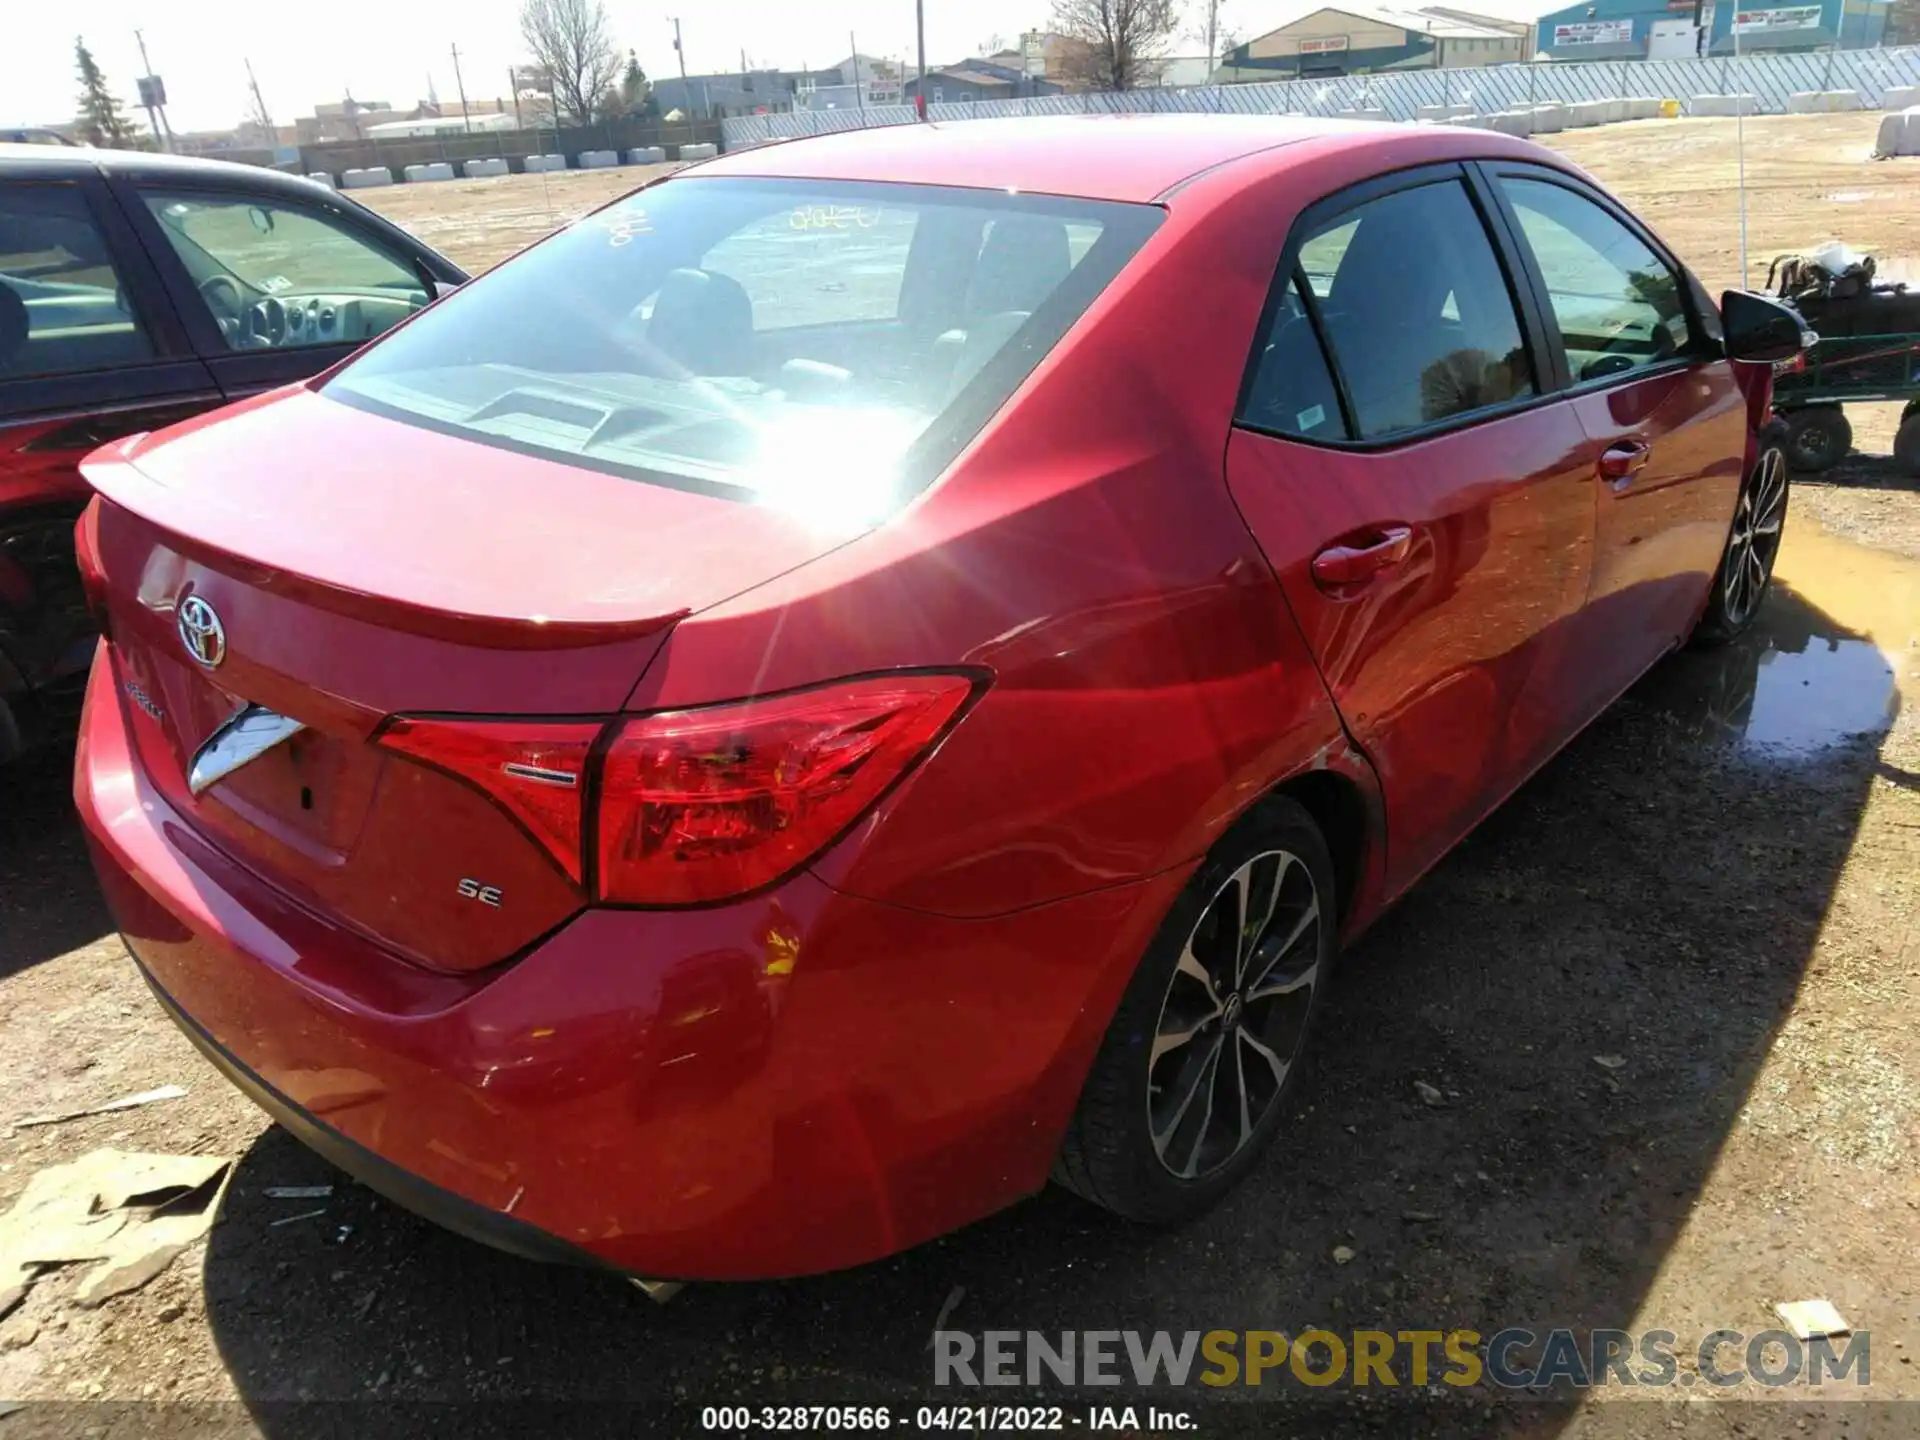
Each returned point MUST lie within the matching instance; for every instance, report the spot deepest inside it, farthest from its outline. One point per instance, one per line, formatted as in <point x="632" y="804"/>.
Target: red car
<point x="882" y="670"/>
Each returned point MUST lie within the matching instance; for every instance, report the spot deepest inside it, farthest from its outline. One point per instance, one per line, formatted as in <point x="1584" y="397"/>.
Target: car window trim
<point x="1700" y="349"/>
<point x="201" y="326"/>
<point x="1520" y="292"/>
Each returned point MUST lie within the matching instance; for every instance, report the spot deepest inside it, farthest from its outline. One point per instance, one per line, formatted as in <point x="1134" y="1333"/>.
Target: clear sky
<point x="305" y="51"/>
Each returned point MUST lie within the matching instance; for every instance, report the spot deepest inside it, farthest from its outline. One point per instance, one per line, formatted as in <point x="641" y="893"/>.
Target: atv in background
<point x="1869" y="349"/>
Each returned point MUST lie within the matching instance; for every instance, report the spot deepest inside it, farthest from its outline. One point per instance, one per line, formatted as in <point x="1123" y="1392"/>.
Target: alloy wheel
<point x="1234" y="1015"/>
<point x="1754" y="542"/>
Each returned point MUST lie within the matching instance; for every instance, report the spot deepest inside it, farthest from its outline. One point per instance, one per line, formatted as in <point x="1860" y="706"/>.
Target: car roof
<point x="55" y="161"/>
<point x="1097" y="157"/>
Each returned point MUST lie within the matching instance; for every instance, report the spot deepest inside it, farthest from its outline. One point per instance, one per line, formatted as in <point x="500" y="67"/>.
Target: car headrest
<point x="14" y="326"/>
<point x="1023" y="261"/>
<point x="703" y="321"/>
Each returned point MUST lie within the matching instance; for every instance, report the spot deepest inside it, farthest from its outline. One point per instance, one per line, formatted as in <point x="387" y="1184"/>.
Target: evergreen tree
<point x="101" y="122"/>
<point x="634" y="89"/>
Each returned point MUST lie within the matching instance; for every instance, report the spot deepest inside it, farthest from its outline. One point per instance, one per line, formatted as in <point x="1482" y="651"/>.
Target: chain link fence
<point x="1770" y="78"/>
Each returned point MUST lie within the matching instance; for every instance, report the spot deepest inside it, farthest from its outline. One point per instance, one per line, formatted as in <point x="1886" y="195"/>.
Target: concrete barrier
<point x="1899" y="133"/>
<point x="1900" y="97"/>
<point x="322" y="177"/>
<point x="1441" y="112"/>
<point x="1643" y="107"/>
<point x="1584" y="113"/>
<point x="647" y="155"/>
<point x="1614" y="113"/>
<point x="537" y="163"/>
<point x="481" y="169"/>
<point x="1844" y="100"/>
<point x="598" y="159"/>
<point x="437" y="170"/>
<point x="1512" y="122"/>
<point x="365" y="179"/>
<point x="699" y="152"/>
<point x="1364" y="113"/>
<point x="1725" y="105"/>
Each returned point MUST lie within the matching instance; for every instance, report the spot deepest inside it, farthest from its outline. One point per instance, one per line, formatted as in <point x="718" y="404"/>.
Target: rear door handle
<point x="1339" y="567"/>
<point x="1621" y="461"/>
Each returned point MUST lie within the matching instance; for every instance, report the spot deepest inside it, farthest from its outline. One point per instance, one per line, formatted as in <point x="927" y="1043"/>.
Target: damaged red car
<point x="883" y="670"/>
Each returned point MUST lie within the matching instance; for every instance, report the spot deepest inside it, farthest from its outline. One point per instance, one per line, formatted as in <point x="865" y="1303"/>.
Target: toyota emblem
<point x="201" y="631"/>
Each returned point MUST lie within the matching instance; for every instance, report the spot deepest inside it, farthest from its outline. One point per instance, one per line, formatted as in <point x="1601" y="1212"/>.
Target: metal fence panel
<point x="1769" y="78"/>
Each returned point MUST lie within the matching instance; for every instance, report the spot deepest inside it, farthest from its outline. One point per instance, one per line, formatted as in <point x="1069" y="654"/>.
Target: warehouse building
<point x="1683" y="29"/>
<point x="1361" y="40"/>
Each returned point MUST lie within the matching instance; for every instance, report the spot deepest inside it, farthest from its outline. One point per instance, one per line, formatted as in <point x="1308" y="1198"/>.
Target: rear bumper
<point x="443" y="1207"/>
<point x="797" y="1083"/>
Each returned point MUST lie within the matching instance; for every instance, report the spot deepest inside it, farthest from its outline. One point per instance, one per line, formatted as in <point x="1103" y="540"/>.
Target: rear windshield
<point x="803" y="343"/>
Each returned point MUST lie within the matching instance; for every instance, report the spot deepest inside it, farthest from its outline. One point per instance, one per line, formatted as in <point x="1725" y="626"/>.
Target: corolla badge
<point x="201" y="631"/>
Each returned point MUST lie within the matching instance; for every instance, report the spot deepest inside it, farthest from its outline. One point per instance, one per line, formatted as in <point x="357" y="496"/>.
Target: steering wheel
<point x="226" y="300"/>
<point x="267" y="321"/>
<point x="223" y="295"/>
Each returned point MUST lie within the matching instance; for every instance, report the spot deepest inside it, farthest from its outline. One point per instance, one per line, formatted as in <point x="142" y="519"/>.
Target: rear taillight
<point x="702" y="805"/>
<point x="697" y="806"/>
<point x="86" y="554"/>
<point x="535" y="770"/>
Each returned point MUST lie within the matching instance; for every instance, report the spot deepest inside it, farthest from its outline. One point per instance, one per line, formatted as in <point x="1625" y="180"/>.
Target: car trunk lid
<point x="358" y="568"/>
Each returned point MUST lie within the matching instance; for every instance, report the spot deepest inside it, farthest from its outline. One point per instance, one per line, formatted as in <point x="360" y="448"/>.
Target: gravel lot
<point x="1715" y="886"/>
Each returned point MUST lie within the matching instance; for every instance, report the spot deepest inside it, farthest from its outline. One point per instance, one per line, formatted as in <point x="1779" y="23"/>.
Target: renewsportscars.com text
<point x="1516" y="1358"/>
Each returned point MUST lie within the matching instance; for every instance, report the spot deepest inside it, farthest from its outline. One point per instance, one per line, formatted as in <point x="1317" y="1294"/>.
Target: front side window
<point x="795" y="341"/>
<point x="1416" y="309"/>
<point x="1618" y="305"/>
<point x="274" y="276"/>
<point x="63" y="309"/>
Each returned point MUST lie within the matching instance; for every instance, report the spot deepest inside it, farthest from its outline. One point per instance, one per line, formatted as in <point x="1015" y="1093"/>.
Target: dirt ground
<point x="1715" y="891"/>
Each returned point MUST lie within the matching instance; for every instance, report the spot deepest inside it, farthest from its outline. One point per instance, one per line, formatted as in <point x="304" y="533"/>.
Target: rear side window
<point x="1417" y="310"/>
<point x="1617" y="304"/>
<point x="826" y="346"/>
<point x="63" y="310"/>
<point x="1292" y="391"/>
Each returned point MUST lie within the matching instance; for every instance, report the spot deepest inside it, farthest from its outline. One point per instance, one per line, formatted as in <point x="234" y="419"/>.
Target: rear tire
<point x="1745" y="575"/>
<point x="1818" y="438"/>
<point x="1906" y="444"/>
<point x="1201" y="1057"/>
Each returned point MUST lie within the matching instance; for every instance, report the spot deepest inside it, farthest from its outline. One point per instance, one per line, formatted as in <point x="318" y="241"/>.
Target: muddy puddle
<point x="1834" y="649"/>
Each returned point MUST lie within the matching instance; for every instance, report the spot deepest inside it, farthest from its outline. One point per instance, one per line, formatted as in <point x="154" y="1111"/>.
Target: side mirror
<point x="1761" y="330"/>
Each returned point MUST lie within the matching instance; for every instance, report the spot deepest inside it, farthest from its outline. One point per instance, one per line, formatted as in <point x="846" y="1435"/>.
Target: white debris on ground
<point x="133" y="1213"/>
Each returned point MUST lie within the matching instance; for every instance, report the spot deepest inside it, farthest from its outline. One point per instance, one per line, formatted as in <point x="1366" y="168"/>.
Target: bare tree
<point x="572" y="42"/>
<point x="1114" y="43"/>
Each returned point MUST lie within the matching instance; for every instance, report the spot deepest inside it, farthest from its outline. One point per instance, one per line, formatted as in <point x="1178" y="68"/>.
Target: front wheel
<point x="1753" y="544"/>
<point x="1188" y="1087"/>
<point x="1818" y="438"/>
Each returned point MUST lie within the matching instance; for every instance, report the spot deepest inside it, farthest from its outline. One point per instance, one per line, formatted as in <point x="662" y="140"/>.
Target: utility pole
<point x="460" y="85"/>
<point x="513" y="89"/>
<point x="859" y="86"/>
<point x="1213" y="22"/>
<point x="920" y="30"/>
<point x="156" y="112"/>
<point x="679" y="51"/>
<point x="259" y="104"/>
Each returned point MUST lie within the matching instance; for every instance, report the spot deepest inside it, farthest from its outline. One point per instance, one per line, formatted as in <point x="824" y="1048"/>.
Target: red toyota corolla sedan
<point x="882" y="670"/>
